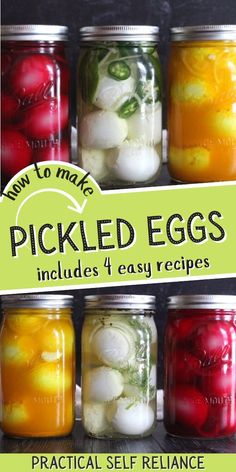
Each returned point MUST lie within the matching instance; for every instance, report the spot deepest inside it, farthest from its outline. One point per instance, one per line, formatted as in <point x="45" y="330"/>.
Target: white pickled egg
<point x="134" y="161"/>
<point x="94" y="162"/>
<point x="103" y="384"/>
<point x="111" y="93"/>
<point x="94" y="417"/>
<point x="112" y="346"/>
<point x="102" y="130"/>
<point x="146" y="124"/>
<point x="131" y="417"/>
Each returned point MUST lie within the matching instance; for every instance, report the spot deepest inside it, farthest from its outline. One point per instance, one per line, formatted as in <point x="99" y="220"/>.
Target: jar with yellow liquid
<point x="37" y="379"/>
<point x="202" y="103"/>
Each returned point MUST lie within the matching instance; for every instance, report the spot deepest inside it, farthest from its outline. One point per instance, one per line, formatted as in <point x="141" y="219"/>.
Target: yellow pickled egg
<point x="50" y="378"/>
<point x="225" y="67"/>
<point x="57" y="336"/>
<point x="195" y="158"/>
<point x="199" y="60"/>
<point x="24" y="324"/>
<point x="17" y="351"/>
<point x="15" y="413"/>
<point x="196" y="91"/>
<point x="224" y="124"/>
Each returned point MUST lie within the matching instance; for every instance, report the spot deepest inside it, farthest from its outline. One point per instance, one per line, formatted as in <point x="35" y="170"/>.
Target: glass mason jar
<point x="200" y="366"/>
<point x="34" y="96"/>
<point x="37" y="379"/>
<point x="119" y="356"/>
<point x="202" y="104"/>
<point x="119" y="105"/>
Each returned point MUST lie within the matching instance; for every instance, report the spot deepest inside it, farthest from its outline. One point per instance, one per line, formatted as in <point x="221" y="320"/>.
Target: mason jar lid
<point x="203" y="302"/>
<point x="34" y="33"/>
<point x="204" y="32"/>
<point x="37" y="301"/>
<point x="120" y="301"/>
<point x="119" y="33"/>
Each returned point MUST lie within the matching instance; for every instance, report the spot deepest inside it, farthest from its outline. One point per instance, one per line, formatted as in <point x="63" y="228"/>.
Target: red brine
<point x="200" y="366"/>
<point x="34" y="97"/>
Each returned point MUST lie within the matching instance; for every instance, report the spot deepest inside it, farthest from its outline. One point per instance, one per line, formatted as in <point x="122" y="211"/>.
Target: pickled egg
<point x="134" y="161"/>
<point x="146" y="124"/>
<point x="102" y="130"/>
<point x="103" y="384"/>
<point x="58" y="336"/>
<point x="94" y="417"/>
<point x="112" y="346"/>
<point x="24" y="324"/>
<point x="224" y="124"/>
<point x="94" y="162"/>
<point x="14" y="413"/>
<point x="17" y="351"/>
<point x="50" y="378"/>
<point x="193" y="91"/>
<point x="111" y="93"/>
<point x="131" y="417"/>
<point x="189" y="158"/>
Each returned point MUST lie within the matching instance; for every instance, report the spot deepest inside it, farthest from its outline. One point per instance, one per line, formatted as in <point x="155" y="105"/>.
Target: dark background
<point x="163" y="13"/>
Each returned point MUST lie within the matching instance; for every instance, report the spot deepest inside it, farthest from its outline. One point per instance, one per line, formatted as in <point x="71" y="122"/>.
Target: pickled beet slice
<point x="30" y="72"/>
<point x="15" y="152"/>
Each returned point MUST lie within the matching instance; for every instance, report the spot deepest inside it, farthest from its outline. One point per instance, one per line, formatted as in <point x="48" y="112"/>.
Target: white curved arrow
<point x="76" y="206"/>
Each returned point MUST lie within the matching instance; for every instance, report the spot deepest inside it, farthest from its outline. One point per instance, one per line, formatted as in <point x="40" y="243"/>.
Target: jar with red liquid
<point x="34" y="96"/>
<point x="200" y="366"/>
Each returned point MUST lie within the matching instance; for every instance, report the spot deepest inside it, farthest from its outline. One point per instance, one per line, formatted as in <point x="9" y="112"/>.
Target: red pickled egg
<point x="46" y="118"/>
<point x="188" y="406"/>
<point x="30" y="72"/>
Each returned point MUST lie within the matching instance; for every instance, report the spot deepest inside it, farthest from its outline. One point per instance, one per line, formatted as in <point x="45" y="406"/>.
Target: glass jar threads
<point x="37" y="378"/>
<point x="202" y="104"/>
<point x="200" y="366"/>
<point x="119" y="352"/>
<point x="34" y="97"/>
<point x="119" y="105"/>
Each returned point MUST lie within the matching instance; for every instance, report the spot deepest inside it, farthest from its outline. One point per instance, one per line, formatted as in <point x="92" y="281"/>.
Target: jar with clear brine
<point x="34" y="96"/>
<point x="202" y="104"/>
<point x="119" y="105"/>
<point x="37" y="360"/>
<point x="119" y="355"/>
<point x="200" y="366"/>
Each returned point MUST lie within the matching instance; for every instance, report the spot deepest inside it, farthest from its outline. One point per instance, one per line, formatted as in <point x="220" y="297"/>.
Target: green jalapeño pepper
<point x="128" y="108"/>
<point x="119" y="70"/>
